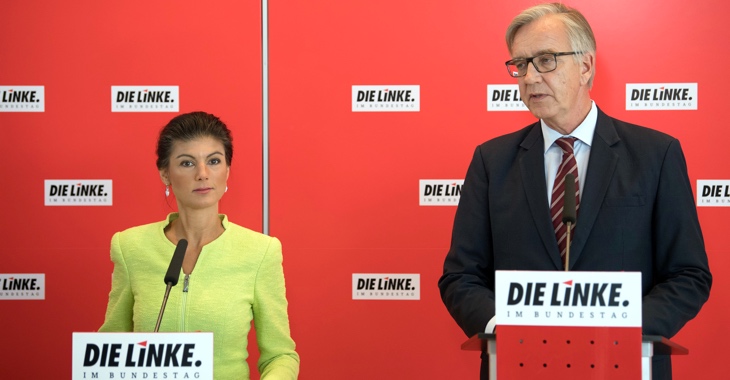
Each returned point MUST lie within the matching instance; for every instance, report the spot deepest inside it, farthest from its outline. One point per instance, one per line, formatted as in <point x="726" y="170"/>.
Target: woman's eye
<point x="215" y="161"/>
<point x="186" y="164"/>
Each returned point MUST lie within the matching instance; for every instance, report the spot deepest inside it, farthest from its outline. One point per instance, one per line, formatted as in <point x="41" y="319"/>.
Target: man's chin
<point x="538" y="112"/>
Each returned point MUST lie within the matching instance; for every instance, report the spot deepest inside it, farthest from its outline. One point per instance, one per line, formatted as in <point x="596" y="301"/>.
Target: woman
<point x="232" y="275"/>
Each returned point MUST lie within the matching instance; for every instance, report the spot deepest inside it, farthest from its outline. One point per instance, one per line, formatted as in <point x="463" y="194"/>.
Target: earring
<point x="167" y="191"/>
<point x="226" y="189"/>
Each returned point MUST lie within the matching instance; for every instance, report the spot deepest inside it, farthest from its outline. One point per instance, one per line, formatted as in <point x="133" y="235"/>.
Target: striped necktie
<point x="567" y="165"/>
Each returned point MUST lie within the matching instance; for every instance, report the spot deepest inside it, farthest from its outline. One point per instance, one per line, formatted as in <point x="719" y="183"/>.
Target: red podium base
<point x="571" y="353"/>
<point x="539" y="352"/>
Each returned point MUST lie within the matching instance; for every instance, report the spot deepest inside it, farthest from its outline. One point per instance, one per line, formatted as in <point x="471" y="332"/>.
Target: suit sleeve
<point x="681" y="273"/>
<point x="278" y="360"/>
<point x="119" y="309"/>
<point x="467" y="283"/>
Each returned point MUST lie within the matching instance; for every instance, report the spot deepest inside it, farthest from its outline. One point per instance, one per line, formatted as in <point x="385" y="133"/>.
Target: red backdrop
<point x="344" y="185"/>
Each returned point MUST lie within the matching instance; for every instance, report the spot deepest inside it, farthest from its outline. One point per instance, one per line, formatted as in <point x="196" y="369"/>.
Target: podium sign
<point x="567" y="325"/>
<point x="542" y="298"/>
<point x="142" y="355"/>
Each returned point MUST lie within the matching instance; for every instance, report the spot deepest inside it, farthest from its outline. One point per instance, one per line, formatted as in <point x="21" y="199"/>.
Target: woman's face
<point x="197" y="173"/>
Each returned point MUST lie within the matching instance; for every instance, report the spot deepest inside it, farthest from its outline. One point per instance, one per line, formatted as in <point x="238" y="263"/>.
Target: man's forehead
<point x="544" y="35"/>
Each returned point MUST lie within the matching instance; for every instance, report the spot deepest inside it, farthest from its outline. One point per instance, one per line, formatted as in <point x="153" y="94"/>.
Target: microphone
<point x="569" y="212"/>
<point x="173" y="275"/>
<point x="569" y="199"/>
<point x="173" y="271"/>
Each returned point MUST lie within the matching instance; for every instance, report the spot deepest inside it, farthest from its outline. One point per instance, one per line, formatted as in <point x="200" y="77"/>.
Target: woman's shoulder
<point x="253" y="241"/>
<point x="251" y="246"/>
<point x="141" y="234"/>
<point x="240" y="232"/>
<point x="143" y="229"/>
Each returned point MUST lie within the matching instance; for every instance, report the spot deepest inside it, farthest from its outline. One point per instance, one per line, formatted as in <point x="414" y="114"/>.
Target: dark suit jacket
<point x="637" y="213"/>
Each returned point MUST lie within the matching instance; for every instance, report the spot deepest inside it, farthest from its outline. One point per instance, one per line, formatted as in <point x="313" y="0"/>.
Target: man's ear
<point x="587" y="67"/>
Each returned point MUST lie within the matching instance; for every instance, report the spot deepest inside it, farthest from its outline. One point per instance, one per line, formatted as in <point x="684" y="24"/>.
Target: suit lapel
<point x="532" y="167"/>
<point x="601" y="166"/>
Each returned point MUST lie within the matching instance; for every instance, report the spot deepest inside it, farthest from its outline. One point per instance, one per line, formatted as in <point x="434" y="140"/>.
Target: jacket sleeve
<point x="682" y="278"/>
<point x="119" y="309"/>
<point x="467" y="283"/>
<point x="278" y="360"/>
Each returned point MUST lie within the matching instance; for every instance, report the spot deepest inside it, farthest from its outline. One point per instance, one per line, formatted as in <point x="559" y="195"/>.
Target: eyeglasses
<point x="544" y="63"/>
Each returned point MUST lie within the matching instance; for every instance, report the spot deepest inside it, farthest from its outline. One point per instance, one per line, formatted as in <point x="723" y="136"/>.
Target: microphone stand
<point x="569" y="213"/>
<point x="164" y="304"/>
<point x="173" y="275"/>
<point x="567" y="246"/>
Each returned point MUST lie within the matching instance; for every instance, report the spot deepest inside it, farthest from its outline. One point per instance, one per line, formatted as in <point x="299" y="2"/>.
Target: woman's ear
<point x="164" y="176"/>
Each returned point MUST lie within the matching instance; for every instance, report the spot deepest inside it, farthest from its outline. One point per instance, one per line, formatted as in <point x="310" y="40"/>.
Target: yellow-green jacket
<point x="237" y="278"/>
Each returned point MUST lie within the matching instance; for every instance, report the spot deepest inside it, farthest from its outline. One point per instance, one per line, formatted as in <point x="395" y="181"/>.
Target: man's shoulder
<point x="510" y="140"/>
<point x="507" y="147"/>
<point x="638" y="134"/>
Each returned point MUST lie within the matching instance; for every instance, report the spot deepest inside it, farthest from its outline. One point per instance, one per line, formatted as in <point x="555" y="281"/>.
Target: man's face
<point x="560" y="97"/>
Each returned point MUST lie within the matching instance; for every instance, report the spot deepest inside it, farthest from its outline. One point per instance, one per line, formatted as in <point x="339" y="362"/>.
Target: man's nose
<point x="532" y="75"/>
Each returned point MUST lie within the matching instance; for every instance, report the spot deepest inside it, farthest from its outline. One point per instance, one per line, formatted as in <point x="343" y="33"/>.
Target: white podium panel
<point x="142" y="355"/>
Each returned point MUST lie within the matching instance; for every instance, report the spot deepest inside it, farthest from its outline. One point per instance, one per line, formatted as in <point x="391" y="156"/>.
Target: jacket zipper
<point x="186" y="284"/>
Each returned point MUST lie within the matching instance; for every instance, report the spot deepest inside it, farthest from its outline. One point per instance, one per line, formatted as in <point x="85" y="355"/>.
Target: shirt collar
<point x="583" y="133"/>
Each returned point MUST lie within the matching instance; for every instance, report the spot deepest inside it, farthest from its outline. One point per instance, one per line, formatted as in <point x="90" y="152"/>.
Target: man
<point x="636" y="209"/>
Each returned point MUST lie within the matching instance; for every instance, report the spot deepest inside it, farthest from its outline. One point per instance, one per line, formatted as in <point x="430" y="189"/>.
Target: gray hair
<point x="579" y="31"/>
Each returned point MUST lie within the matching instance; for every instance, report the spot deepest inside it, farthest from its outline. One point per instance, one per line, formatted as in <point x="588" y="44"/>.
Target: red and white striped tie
<point x="567" y="165"/>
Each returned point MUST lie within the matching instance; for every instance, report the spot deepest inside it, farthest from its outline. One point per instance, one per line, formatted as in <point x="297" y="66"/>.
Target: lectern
<point x="594" y="365"/>
<point x="569" y="325"/>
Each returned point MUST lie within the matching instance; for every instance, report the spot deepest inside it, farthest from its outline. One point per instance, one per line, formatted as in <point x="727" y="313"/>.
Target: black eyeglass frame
<point x="531" y="60"/>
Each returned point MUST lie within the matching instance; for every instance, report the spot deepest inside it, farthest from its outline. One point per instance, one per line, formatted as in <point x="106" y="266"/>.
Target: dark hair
<point x="189" y="126"/>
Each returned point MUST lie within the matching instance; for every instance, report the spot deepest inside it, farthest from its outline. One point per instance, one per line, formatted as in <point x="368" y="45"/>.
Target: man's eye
<point x="546" y="60"/>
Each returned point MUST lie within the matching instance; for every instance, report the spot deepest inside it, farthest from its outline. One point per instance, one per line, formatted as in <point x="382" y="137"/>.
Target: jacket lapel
<point x="532" y="167"/>
<point x="601" y="167"/>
